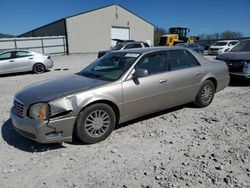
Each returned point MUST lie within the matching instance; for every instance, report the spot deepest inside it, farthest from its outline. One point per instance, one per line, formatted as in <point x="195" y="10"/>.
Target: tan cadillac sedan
<point x="118" y="87"/>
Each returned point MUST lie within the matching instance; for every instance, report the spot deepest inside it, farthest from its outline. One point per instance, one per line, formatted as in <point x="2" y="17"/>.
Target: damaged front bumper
<point x="240" y="74"/>
<point x="52" y="131"/>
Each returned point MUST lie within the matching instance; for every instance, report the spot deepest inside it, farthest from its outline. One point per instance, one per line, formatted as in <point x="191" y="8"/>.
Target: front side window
<point x="181" y="59"/>
<point x="110" y="66"/>
<point x="146" y="44"/>
<point x="6" y="55"/>
<point x="154" y="63"/>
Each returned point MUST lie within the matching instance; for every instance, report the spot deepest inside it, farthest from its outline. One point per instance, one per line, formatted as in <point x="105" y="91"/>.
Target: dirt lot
<point x="180" y="147"/>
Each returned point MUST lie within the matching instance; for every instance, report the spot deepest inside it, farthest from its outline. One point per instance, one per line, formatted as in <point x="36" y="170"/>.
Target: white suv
<point x="222" y="46"/>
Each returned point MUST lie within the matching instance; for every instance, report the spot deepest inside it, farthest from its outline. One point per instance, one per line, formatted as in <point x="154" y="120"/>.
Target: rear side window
<point x="146" y="44"/>
<point x="129" y="46"/>
<point x="23" y="54"/>
<point x="232" y="43"/>
<point x="191" y="60"/>
<point x="180" y="59"/>
<point x="154" y="63"/>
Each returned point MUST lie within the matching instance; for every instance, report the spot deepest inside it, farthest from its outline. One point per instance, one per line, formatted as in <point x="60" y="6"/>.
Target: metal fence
<point x="45" y="45"/>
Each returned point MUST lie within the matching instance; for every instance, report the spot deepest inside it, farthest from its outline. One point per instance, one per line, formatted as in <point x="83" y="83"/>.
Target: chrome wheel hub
<point x="207" y="93"/>
<point x="97" y="123"/>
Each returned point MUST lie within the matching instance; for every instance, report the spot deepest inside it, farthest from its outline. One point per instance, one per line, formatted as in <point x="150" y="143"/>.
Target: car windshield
<point x="110" y="67"/>
<point x="243" y="46"/>
<point x="220" y="44"/>
<point x="118" y="46"/>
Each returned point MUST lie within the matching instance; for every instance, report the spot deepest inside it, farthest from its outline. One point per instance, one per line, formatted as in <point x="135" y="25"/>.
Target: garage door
<point x="119" y="33"/>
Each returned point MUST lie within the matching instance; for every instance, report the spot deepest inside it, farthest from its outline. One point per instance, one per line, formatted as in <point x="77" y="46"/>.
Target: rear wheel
<point x="39" y="68"/>
<point x="95" y="123"/>
<point x="206" y="94"/>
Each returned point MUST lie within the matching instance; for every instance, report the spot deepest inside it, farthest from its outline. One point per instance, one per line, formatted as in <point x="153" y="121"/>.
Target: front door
<point x="148" y="94"/>
<point x="6" y="60"/>
<point x="23" y="61"/>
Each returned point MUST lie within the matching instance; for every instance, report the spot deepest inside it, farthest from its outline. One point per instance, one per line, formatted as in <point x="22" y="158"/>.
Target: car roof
<point x="133" y="42"/>
<point x="149" y="49"/>
<point x="14" y="50"/>
<point x="228" y="41"/>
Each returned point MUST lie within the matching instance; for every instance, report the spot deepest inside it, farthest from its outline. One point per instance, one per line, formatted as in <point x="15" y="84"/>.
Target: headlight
<point x="246" y="68"/>
<point x="39" y="111"/>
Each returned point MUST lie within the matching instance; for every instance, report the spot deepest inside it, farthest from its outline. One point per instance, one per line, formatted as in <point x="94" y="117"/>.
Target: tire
<point x="39" y="68"/>
<point x="95" y="123"/>
<point x="205" y="94"/>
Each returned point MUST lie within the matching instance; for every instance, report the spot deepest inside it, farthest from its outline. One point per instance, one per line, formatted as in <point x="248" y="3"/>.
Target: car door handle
<point x="198" y="73"/>
<point x="11" y="61"/>
<point x="163" y="81"/>
<point x="31" y="58"/>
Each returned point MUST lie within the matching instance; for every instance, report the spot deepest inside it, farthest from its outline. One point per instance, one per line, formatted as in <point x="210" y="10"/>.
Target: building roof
<point x="107" y="7"/>
<point x="62" y="19"/>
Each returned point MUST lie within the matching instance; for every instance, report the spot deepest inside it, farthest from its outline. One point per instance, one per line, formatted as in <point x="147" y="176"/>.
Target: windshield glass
<point x="110" y="67"/>
<point x="243" y="46"/>
<point x="118" y="46"/>
<point x="220" y="44"/>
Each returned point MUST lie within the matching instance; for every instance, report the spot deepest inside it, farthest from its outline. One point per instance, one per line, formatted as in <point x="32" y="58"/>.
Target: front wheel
<point x="206" y="94"/>
<point x="95" y="123"/>
<point x="39" y="68"/>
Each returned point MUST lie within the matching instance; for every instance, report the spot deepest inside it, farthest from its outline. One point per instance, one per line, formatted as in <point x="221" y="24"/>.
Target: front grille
<point x="18" y="107"/>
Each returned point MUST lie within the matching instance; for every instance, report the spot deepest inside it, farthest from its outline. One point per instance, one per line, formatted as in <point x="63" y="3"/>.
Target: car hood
<point x="234" y="56"/>
<point x="52" y="89"/>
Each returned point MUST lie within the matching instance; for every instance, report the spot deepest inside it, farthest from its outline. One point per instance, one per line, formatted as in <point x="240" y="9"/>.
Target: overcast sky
<point x="201" y="16"/>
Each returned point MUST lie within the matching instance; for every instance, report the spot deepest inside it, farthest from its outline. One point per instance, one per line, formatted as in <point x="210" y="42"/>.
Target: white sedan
<point x="221" y="47"/>
<point x="13" y="61"/>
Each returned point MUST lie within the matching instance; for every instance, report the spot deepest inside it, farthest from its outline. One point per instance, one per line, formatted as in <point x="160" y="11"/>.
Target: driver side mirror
<point x="139" y="73"/>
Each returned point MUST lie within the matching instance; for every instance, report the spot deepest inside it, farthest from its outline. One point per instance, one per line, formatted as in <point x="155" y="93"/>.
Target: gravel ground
<point x="180" y="147"/>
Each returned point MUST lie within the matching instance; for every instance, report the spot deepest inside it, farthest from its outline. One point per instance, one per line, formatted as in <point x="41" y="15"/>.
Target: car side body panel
<point x="130" y="97"/>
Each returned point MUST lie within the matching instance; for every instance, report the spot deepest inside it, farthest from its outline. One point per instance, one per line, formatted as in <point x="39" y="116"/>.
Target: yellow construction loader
<point x="177" y="35"/>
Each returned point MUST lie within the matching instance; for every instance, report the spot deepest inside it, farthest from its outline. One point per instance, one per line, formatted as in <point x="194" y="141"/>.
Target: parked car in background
<point x="238" y="59"/>
<point x="221" y="47"/>
<point x="193" y="46"/>
<point x="13" y="61"/>
<point x="124" y="45"/>
<point x="118" y="87"/>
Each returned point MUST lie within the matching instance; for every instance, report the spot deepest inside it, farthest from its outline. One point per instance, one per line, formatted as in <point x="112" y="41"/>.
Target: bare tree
<point x="223" y="35"/>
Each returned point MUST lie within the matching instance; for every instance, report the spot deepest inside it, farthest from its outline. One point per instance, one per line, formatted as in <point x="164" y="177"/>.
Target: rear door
<point x="186" y="74"/>
<point x="23" y="61"/>
<point x="148" y="94"/>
